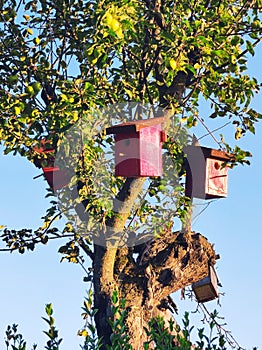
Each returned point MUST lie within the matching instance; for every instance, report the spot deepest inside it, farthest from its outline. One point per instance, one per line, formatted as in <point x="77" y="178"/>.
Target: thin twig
<point x="35" y="241"/>
<point x="221" y="329"/>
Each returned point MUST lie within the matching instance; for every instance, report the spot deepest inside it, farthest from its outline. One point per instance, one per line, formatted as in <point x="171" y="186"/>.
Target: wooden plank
<point x="207" y="152"/>
<point x="134" y="125"/>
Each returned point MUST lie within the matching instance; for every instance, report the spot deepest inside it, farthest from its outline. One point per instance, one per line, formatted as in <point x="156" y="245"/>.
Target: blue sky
<point x="32" y="280"/>
<point x="233" y="224"/>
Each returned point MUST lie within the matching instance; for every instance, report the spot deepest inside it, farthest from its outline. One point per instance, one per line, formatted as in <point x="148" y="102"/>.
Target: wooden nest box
<point x="206" y="289"/>
<point x="138" y="147"/>
<point x="55" y="177"/>
<point x="206" y="172"/>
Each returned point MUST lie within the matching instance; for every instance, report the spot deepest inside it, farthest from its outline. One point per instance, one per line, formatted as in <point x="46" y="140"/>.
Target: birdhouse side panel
<point x="196" y="175"/>
<point x="127" y="155"/>
<point x="213" y="278"/>
<point x="216" y="178"/>
<point x="151" y="151"/>
<point x="56" y="178"/>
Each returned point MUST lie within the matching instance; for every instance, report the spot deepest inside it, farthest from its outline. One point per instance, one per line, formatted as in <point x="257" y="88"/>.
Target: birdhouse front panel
<point x="216" y="178"/>
<point x="150" y="151"/>
<point x="138" y="147"/>
<point x="127" y="154"/>
<point x="206" y="174"/>
<point x="55" y="177"/>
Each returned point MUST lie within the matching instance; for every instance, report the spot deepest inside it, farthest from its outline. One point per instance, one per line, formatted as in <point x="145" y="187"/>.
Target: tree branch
<point x="124" y="203"/>
<point x="122" y="207"/>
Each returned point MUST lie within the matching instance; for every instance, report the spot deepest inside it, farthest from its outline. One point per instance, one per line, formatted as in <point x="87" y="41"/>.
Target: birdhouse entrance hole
<point x="206" y="172"/>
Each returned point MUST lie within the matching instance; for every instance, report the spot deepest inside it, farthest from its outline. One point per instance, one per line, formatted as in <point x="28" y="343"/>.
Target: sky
<point x="233" y="224"/>
<point x="30" y="281"/>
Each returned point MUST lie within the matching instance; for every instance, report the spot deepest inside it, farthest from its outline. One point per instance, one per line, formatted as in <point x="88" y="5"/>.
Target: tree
<point x="68" y="70"/>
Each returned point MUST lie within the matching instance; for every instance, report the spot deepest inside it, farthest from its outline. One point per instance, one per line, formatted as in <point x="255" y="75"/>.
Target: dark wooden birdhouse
<point x="138" y="147"/>
<point x="206" y="289"/>
<point x="206" y="172"/>
<point x="55" y="177"/>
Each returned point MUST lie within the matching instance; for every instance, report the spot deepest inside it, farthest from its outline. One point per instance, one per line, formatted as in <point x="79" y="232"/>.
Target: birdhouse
<point x="206" y="172"/>
<point x="138" y="147"/>
<point x="206" y="289"/>
<point x="55" y="177"/>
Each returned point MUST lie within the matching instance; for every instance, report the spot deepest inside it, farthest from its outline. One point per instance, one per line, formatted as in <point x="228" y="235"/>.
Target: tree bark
<point x="162" y="267"/>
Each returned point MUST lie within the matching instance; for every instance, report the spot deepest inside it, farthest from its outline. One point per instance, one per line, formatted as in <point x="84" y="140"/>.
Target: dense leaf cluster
<point x="63" y="62"/>
<point x="159" y="336"/>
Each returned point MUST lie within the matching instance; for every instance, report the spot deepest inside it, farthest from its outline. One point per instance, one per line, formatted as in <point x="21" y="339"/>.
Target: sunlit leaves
<point x="250" y="47"/>
<point x="92" y="54"/>
<point x="71" y="252"/>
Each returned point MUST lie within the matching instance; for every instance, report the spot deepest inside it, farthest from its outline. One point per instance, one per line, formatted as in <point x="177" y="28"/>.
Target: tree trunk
<point x="162" y="267"/>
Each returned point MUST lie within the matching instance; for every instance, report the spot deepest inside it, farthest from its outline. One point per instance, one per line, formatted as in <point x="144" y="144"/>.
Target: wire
<point x="201" y="212"/>
<point x="219" y="128"/>
<point x="209" y="131"/>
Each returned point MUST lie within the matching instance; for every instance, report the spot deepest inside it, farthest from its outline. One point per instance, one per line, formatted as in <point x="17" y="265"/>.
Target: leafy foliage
<point x="64" y="62"/>
<point x="163" y="339"/>
<point x="15" y="341"/>
<point x="53" y="342"/>
<point x="89" y="330"/>
<point x="159" y="336"/>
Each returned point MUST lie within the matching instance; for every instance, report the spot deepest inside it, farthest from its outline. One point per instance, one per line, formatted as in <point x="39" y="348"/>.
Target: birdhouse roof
<point x="45" y="146"/>
<point x="134" y="125"/>
<point x="208" y="152"/>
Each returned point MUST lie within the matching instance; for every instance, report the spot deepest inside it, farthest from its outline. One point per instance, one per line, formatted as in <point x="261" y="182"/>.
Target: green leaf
<point x="49" y="309"/>
<point x="250" y="47"/>
<point x="114" y="297"/>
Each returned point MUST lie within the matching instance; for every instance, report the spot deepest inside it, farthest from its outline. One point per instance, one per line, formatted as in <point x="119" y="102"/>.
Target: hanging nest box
<point x="138" y="147"/>
<point x="206" y="172"/>
<point x="55" y="177"/>
<point x="206" y="289"/>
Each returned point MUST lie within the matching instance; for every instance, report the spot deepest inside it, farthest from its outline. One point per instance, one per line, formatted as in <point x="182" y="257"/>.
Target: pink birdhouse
<point x="138" y="147"/>
<point x="55" y="177"/>
<point x="206" y="173"/>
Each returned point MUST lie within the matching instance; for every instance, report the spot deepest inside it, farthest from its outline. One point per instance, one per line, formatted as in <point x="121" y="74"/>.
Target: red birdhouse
<point x="206" y="289"/>
<point x="138" y="147"/>
<point x="56" y="178"/>
<point x="206" y="173"/>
